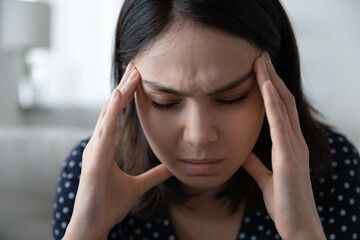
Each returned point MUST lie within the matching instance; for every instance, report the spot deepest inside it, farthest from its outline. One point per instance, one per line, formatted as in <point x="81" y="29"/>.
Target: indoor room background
<point x="55" y="62"/>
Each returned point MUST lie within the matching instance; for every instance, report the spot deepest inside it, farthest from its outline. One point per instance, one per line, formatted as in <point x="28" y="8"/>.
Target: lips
<point x="202" y="160"/>
<point x="202" y="166"/>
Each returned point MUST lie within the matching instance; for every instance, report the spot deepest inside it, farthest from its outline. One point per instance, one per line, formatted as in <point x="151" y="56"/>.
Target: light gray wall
<point x="328" y="34"/>
<point x="9" y="72"/>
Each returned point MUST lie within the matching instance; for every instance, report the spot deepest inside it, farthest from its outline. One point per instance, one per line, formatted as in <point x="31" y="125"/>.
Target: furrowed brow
<point x="161" y="88"/>
<point x="233" y="84"/>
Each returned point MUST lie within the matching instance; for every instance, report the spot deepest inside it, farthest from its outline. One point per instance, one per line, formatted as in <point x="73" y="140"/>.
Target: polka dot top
<point x="338" y="202"/>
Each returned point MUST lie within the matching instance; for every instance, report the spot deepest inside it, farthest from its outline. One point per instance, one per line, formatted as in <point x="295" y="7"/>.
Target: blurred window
<point x="75" y="70"/>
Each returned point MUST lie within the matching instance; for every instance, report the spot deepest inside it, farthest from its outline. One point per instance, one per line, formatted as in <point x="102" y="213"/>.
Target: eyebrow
<point x="233" y="84"/>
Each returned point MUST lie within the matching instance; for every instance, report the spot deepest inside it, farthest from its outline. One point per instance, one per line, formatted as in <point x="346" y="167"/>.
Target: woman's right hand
<point x="106" y="194"/>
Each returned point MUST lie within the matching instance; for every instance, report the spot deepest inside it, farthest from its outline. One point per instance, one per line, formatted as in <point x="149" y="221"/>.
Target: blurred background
<point x="55" y="61"/>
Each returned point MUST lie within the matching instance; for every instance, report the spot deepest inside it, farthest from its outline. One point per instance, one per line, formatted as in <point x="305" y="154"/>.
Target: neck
<point x="204" y="202"/>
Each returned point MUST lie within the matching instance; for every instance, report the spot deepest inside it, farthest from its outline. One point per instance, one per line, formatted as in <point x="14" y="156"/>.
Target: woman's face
<point x="199" y="103"/>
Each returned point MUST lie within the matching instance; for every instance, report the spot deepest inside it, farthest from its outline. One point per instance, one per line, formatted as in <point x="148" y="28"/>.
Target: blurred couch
<point x="30" y="162"/>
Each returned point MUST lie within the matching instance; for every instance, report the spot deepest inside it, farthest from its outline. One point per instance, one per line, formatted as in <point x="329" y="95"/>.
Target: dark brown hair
<point x="262" y="22"/>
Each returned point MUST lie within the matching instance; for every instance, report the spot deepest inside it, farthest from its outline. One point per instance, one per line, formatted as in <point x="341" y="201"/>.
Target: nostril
<point x="200" y="134"/>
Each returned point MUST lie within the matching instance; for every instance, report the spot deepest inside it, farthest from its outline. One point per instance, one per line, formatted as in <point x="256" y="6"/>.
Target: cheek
<point x="246" y="124"/>
<point x="239" y="128"/>
<point x="158" y="128"/>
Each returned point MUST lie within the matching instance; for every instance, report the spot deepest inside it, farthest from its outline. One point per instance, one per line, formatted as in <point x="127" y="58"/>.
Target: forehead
<point x="192" y="56"/>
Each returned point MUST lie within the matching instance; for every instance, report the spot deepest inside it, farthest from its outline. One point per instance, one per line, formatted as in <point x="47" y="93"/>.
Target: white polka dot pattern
<point x="337" y="199"/>
<point x="66" y="191"/>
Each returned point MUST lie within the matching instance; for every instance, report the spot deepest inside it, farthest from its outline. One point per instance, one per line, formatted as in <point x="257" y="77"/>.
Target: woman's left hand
<point x="287" y="188"/>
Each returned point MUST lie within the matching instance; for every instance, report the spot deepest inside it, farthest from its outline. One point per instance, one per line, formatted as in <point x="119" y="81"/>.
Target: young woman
<point x="207" y="135"/>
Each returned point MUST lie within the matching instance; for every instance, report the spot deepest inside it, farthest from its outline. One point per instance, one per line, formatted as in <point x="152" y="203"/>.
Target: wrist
<point x="315" y="235"/>
<point x="79" y="236"/>
<point x="77" y="232"/>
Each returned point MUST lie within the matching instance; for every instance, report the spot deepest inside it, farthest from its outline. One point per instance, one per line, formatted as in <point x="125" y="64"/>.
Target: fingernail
<point x="129" y="67"/>
<point x="114" y="95"/>
<point x="267" y="56"/>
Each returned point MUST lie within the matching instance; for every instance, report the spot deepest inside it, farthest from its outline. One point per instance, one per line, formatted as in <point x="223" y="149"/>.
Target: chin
<point x="202" y="182"/>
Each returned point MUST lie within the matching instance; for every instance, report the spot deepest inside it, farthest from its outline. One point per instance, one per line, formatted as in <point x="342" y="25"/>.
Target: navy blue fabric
<point x="337" y="200"/>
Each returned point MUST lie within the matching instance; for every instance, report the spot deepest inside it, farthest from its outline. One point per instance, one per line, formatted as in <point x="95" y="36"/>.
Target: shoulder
<point x="345" y="164"/>
<point x="338" y="197"/>
<point x="345" y="158"/>
<point x="76" y="153"/>
<point x="71" y="168"/>
<point x="341" y="146"/>
<point x="68" y="182"/>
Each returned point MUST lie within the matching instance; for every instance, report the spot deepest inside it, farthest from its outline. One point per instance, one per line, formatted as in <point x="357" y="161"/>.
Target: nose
<point x="200" y="128"/>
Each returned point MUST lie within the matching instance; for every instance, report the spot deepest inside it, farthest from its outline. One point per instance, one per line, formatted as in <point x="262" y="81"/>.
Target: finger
<point x="285" y="95"/>
<point x="263" y="76"/>
<point x="101" y="117"/>
<point x="97" y="127"/>
<point x="109" y="122"/>
<point x="119" y="99"/>
<point x="257" y="170"/>
<point x="104" y="109"/>
<point x="105" y="127"/>
<point x="152" y="178"/>
<point x="129" y="87"/>
<point x="126" y="75"/>
<point x="275" y="110"/>
<point x="104" y="134"/>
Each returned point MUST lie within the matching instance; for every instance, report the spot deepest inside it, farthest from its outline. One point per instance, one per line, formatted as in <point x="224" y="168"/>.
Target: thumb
<point x="152" y="178"/>
<point x="257" y="170"/>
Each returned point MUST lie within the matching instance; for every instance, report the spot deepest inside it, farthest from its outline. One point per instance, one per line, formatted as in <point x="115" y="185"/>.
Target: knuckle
<point x="100" y="133"/>
<point x="109" y="111"/>
<point x="305" y="148"/>
<point x="289" y="98"/>
<point x="105" y="131"/>
<point x="88" y="148"/>
<point x="103" y="110"/>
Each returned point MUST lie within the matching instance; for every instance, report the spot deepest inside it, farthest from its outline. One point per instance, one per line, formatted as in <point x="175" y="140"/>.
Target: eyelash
<point x="232" y="102"/>
<point x="163" y="107"/>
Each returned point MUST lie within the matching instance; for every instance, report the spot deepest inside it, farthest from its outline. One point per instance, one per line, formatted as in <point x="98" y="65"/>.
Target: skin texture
<point x="106" y="194"/>
<point x="197" y="61"/>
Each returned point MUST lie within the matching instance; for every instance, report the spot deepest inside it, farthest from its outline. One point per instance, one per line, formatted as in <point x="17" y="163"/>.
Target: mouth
<point x="202" y="166"/>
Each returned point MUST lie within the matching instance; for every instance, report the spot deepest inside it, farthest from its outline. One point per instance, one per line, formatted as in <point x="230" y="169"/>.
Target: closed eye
<point x="233" y="101"/>
<point x="162" y="107"/>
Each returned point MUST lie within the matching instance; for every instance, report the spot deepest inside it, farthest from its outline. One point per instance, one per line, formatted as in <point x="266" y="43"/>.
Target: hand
<point x="106" y="194"/>
<point x="287" y="189"/>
